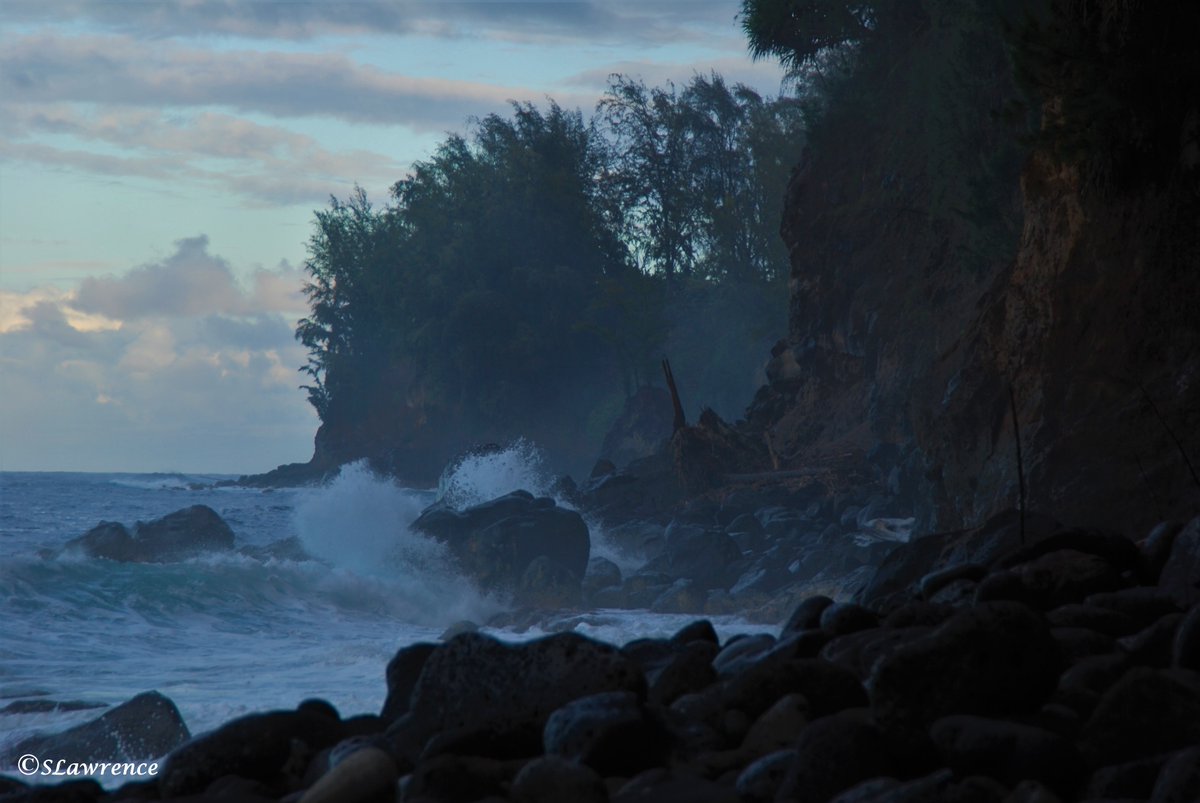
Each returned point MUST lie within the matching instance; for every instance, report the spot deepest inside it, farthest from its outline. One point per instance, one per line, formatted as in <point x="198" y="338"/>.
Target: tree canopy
<point x="522" y="279"/>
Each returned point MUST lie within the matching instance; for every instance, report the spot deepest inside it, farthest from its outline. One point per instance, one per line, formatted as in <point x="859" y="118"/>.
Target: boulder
<point x="995" y="658"/>
<point x="495" y="542"/>
<point x="611" y="732"/>
<point x="1179" y="780"/>
<point x="176" y="536"/>
<point x="1180" y="578"/>
<point x="402" y="673"/>
<point x="475" y="680"/>
<point x="600" y="573"/>
<point x="834" y="753"/>
<point x="1052" y="579"/>
<point x="145" y="727"/>
<point x="274" y="748"/>
<point x="1007" y="751"/>
<point x="546" y="583"/>
<point x="1144" y="713"/>
<point x="551" y="779"/>
<point x="705" y="556"/>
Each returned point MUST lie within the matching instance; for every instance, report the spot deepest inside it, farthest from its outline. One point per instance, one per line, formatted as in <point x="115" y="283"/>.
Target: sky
<point x="160" y="163"/>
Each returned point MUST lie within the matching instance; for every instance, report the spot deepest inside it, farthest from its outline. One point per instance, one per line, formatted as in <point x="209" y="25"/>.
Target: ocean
<point x="228" y="634"/>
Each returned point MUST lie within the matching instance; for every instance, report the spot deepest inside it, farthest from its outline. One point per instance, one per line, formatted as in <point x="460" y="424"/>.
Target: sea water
<point x="225" y="634"/>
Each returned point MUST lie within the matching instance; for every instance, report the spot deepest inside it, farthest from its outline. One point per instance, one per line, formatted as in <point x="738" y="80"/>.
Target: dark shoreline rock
<point x="1071" y="693"/>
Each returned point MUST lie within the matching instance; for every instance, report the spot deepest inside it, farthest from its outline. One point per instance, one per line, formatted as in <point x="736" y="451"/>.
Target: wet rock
<point x="1144" y="713"/>
<point x="495" y="542"/>
<point x="146" y="726"/>
<point x="600" y="573"/>
<point x="551" y="779"/>
<point x="1076" y="643"/>
<point x="682" y="596"/>
<point x="778" y="726"/>
<point x="934" y="582"/>
<point x="1185" y="652"/>
<point x="1179" y="780"/>
<point x="546" y="583"/>
<point x="1143" y="603"/>
<point x="996" y="658"/>
<point x="700" y="630"/>
<point x="858" y="652"/>
<point x="828" y="688"/>
<point x="1156" y="548"/>
<point x="760" y="780"/>
<point x="174" y="537"/>
<point x="1133" y="779"/>
<point x="1152" y="646"/>
<point x="834" y="753"/>
<point x="402" y="673"/>
<point x="1180" y="578"/>
<point x="1102" y="620"/>
<point x="1095" y="674"/>
<point x="936" y="787"/>
<point x="739" y="653"/>
<point x="664" y="786"/>
<point x="843" y="618"/>
<point x="1007" y="751"/>
<point x="688" y="670"/>
<point x="274" y="748"/>
<point x="918" y="613"/>
<point x="476" y="680"/>
<point x="1052" y="579"/>
<point x="1031" y="792"/>
<point x="807" y="615"/>
<point x="452" y="778"/>
<point x="701" y="555"/>
<point x="368" y="775"/>
<point x="610" y="732"/>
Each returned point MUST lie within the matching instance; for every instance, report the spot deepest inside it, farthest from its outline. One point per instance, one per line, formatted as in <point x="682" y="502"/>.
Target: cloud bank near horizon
<point x="172" y="365"/>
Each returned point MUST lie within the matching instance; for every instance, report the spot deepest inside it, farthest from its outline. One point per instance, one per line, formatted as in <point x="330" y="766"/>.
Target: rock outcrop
<point x="176" y="536"/>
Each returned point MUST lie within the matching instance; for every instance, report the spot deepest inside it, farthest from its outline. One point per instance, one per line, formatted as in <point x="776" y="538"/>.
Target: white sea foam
<point x="360" y="523"/>
<point x="477" y="478"/>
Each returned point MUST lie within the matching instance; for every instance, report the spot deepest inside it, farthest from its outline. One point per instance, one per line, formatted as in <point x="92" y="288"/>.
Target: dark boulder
<point x="600" y="573"/>
<point x="495" y="542"/>
<point x="475" y="680"/>
<point x="1144" y="713"/>
<point x="1007" y="751"/>
<point x="147" y="726"/>
<point x="1180" y="578"/>
<point x="551" y="779"/>
<point x="611" y="732"/>
<point x="546" y="583"/>
<point x="702" y="555"/>
<point x="995" y="658"/>
<point x="176" y="536"/>
<point x="274" y="748"/>
<point x="402" y="673"/>
<point x="834" y="753"/>
<point x="807" y="615"/>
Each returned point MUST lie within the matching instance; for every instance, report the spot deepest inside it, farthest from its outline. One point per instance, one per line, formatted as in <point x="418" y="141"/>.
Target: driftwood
<point x="680" y="419"/>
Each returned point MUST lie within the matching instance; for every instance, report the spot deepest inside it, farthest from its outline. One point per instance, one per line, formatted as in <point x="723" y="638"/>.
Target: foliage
<point x="523" y="274"/>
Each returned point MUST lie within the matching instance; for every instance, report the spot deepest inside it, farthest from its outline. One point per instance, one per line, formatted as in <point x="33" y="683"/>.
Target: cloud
<point x="764" y="76"/>
<point x="171" y="365"/>
<point x="540" y="20"/>
<point x="128" y="72"/>
<point x="190" y="282"/>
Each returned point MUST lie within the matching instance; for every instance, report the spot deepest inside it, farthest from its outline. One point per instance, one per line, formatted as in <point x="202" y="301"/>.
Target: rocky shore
<point x="1019" y="662"/>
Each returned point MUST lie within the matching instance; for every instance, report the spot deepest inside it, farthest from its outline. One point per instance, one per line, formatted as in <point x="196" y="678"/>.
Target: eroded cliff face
<point x="922" y="297"/>
<point x="1096" y="330"/>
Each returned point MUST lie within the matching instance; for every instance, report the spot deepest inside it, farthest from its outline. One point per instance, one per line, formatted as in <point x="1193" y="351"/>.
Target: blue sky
<point x="160" y="164"/>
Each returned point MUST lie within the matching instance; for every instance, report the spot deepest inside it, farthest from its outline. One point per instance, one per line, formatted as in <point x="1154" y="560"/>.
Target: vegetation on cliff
<point x="526" y="278"/>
